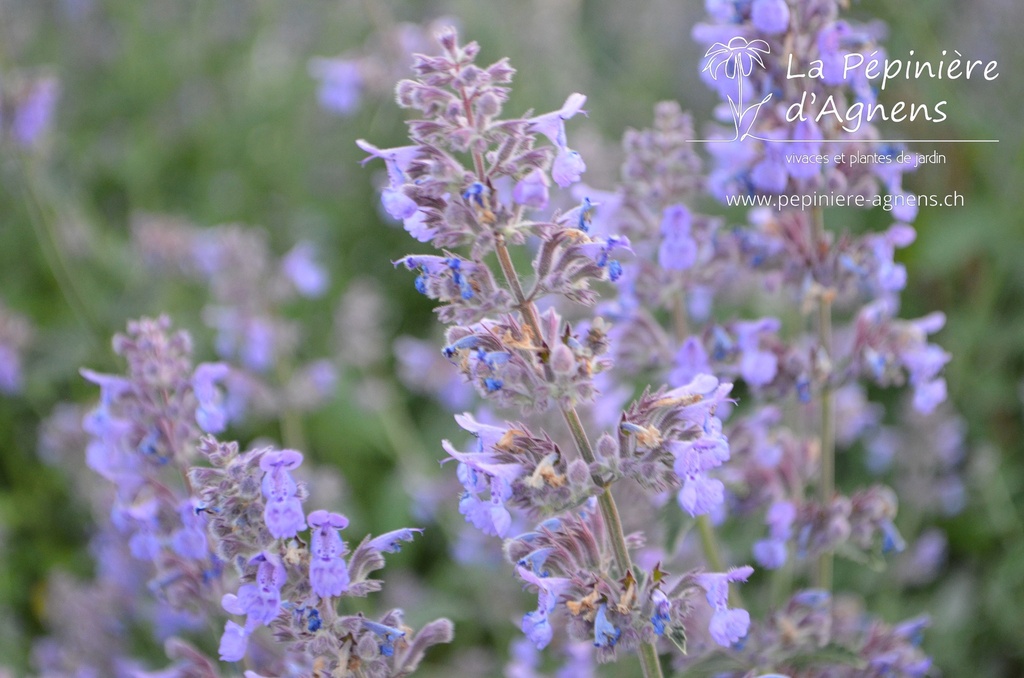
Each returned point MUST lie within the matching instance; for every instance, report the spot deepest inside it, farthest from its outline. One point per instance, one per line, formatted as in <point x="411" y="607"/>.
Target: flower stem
<point x="710" y="544"/>
<point x="827" y="480"/>
<point x="42" y="218"/>
<point x="648" y="652"/>
<point x="293" y="434"/>
<point x="609" y="511"/>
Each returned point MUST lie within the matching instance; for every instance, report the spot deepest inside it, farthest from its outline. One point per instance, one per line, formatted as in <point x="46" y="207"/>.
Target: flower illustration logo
<point x="736" y="61"/>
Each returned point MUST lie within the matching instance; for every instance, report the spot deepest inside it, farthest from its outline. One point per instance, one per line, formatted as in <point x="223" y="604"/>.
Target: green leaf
<point x="677" y="634"/>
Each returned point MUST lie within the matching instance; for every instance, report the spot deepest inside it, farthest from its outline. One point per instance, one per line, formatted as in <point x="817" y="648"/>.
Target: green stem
<point x="710" y="544"/>
<point x="609" y="511"/>
<point x="50" y="247"/>
<point x="827" y="479"/>
<point x="293" y="434"/>
<point x="400" y="432"/>
<point x="648" y="652"/>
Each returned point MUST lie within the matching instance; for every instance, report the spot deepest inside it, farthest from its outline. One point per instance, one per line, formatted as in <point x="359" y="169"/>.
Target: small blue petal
<point x="586" y="210"/>
<point x="314" y="620"/>
<point x="605" y="633"/>
<point x="475" y="193"/>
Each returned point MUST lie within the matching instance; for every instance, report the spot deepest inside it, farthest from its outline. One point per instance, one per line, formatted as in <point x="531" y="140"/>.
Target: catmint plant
<point x="451" y="189"/>
<point x="475" y="186"/>
<point x="221" y="532"/>
<point x="833" y="277"/>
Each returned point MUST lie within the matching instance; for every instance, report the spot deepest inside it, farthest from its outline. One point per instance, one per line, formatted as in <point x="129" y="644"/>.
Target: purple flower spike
<point x="328" y="573"/>
<point x="284" y="518"/>
<point x="701" y="495"/>
<point x="398" y="204"/>
<point x="489" y="516"/>
<point x="111" y="387"/>
<point x="286" y="460"/>
<point x="758" y="367"/>
<point x="690" y="360"/>
<point x="678" y="250"/>
<point x="662" y="606"/>
<point x="259" y="601"/>
<point x="772" y="552"/>
<point x="190" y="540"/>
<point x="535" y="624"/>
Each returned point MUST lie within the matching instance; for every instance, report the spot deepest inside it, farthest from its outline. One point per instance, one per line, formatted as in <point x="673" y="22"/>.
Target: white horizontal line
<point x="851" y="141"/>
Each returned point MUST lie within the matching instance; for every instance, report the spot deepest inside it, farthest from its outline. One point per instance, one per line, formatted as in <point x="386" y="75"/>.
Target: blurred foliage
<point x="204" y="109"/>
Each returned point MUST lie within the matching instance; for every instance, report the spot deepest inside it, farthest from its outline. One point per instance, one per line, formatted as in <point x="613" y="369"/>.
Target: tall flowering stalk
<point x="688" y="266"/>
<point x="471" y="179"/>
<point x="830" y="272"/>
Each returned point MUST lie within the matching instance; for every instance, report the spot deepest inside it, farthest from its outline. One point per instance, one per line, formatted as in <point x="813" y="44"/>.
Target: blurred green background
<point x="204" y="109"/>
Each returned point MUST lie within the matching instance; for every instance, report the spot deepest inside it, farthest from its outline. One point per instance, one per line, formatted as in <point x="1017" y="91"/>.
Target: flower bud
<point x="562" y="360"/>
<point x="607" y="447"/>
<point x="367" y="648"/>
<point x="448" y="38"/>
<point x="488" y="105"/>
<point x="405" y="93"/>
<point x="579" y="473"/>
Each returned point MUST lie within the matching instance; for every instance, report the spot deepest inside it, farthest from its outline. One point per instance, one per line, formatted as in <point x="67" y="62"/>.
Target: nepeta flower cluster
<point x="659" y="377"/>
<point x="752" y="49"/>
<point x="292" y="584"/>
<point x="472" y="179"/>
<point x="226" y="537"/>
<point x="472" y="184"/>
